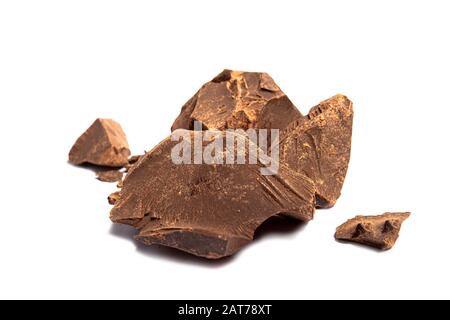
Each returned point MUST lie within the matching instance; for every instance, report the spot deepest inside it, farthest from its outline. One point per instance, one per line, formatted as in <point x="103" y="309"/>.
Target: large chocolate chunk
<point x="238" y="100"/>
<point x="103" y="144"/>
<point x="376" y="231"/>
<point x="319" y="146"/>
<point x="209" y="210"/>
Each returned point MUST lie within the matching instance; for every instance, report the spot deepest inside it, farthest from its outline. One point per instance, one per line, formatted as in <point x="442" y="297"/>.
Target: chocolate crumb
<point x="109" y="176"/>
<point x="113" y="198"/>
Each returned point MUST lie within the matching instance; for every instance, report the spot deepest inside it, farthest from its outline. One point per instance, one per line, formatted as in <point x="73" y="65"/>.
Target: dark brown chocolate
<point x="109" y="175"/>
<point x="103" y="144"/>
<point x="134" y="159"/>
<point x="209" y="210"/>
<point x="377" y="231"/>
<point x="319" y="146"/>
<point x="238" y="100"/>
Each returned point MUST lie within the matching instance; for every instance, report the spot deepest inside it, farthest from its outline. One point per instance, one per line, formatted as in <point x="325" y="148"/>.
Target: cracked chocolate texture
<point x="238" y="100"/>
<point x="209" y="210"/>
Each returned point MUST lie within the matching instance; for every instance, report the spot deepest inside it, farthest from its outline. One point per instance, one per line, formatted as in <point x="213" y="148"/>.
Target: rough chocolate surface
<point x="104" y="143"/>
<point x="377" y="231"/>
<point x="319" y="146"/>
<point x="213" y="210"/>
<point x="238" y="100"/>
<point x="208" y="210"/>
<point x="109" y="176"/>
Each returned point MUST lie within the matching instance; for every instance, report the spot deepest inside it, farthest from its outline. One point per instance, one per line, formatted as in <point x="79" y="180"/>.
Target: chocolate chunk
<point x="376" y="231"/>
<point x="131" y="162"/>
<point x="103" y="144"/>
<point x="238" y="100"/>
<point x="209" y="210"/>
<point x="319" y="146"/>
<point x="109" y="176"/>
<point x="113" y="198"/>
<point x="134" y="159"/>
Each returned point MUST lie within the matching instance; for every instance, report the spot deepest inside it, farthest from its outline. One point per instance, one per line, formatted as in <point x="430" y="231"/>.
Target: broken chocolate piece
<point x="103" y="144"/>
<point x="238" y="100"/>
<point x="131" y="162"/>
<point x="134" y="159"/>
<point x="209" y="210"/>
<point x="113" y="198"/>
<point x="319" y="146"/>
<point x="377" y="231"/>
<point x="109" y="176"/>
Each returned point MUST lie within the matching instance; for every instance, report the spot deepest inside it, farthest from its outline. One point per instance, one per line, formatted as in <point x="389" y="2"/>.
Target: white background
<point x="65" y="63"/>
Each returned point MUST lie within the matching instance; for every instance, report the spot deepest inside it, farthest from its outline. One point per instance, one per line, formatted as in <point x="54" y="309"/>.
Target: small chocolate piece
<point x="134" y="159"/>
<point x="113" y="198"/>
<point x="109" y="176"/>
<point x="377" y="231"/>
<point x="319" y="146"/>
<point x="238" y="100"/>
<point x="209" y="210"/>
<point x="103" y="144"/>
<point x="131" y="162"/>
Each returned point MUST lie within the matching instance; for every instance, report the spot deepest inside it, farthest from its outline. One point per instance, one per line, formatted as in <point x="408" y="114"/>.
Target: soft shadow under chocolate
<point x="94" y="168"/>
<point x="162" y="252"/>
<point x="276" y="226"/>
<point x="360" y="245"/>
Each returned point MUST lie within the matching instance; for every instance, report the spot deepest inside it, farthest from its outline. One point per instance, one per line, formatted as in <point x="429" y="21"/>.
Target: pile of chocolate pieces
<point x="213" y="210"/>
